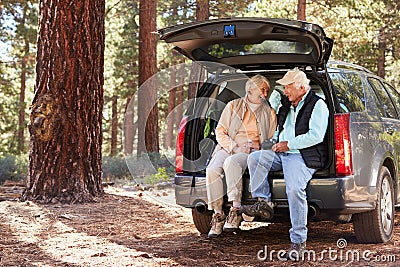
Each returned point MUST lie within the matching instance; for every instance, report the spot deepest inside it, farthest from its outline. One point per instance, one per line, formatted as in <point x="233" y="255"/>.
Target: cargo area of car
<point x="199" y="139"/>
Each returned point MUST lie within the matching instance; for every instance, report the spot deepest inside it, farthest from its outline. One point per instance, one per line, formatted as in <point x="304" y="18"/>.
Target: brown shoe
<point x="262" y="208"/>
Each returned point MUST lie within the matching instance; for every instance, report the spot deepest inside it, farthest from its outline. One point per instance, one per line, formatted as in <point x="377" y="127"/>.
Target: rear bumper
<point x="338" y="195"/>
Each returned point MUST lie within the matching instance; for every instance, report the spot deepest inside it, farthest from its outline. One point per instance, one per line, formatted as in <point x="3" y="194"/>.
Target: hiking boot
<point x="217" y="223"/>
<point x="262" y="208"/>
<point x="296" y="251"/>
<point x="233" y="220"/>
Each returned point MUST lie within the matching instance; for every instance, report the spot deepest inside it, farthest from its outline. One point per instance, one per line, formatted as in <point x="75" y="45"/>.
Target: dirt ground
<point x="131" y="229"/>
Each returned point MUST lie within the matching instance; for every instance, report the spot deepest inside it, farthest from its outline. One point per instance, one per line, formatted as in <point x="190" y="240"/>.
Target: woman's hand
<point x="244" y="148"/>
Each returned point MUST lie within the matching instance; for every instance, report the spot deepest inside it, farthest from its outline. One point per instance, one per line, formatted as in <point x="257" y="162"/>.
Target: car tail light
<point x="344" y="164"/>
<point x="179" y="145"/>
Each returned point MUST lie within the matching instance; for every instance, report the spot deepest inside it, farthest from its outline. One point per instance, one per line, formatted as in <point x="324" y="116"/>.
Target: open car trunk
<point x="252" y="43"/>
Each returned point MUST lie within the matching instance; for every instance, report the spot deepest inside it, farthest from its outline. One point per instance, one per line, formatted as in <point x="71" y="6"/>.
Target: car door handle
<point x="390" y="130"/>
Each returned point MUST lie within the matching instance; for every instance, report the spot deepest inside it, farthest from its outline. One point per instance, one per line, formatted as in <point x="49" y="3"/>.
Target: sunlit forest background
<point x="365" y="33"/>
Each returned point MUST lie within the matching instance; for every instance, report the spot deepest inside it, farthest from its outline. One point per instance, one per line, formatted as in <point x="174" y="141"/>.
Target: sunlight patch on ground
<point x="150" y="197"/>
<point x="34" y="225"/>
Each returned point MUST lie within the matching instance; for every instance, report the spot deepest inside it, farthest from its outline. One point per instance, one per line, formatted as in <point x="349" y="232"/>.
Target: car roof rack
<point x="346" y="65"/>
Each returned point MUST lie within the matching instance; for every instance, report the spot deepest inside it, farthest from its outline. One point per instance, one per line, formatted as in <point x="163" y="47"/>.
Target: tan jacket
<point x="231" y="120"/>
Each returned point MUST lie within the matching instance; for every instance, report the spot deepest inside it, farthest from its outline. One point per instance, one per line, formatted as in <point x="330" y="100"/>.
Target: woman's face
<point x="257" y="95"/>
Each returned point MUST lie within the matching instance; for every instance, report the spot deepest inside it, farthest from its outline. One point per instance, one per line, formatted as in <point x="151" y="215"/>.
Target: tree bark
<point x="147" y="94"/>
<point x="382" y="53"/>
<point x="301" y="10"/>
<point x="202" y="13"/>
<point x="21" y="117"/>
<point x="114" y="126"/>
<point x="171" y="106"/>
<point x="203" y="10"/>
<point x="66" y="113"/>
<point x="180" y="95"/>
<point x="129" y="126"/>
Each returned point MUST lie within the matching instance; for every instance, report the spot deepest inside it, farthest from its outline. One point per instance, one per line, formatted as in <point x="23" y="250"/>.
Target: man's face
<point x="293" y="93"/>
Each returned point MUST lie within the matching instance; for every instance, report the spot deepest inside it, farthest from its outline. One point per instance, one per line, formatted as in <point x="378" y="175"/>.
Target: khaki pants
<point x="233" y="166"/>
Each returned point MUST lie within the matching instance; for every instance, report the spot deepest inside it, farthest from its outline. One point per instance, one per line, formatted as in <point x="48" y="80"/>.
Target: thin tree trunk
<point x="203" y="10"/>
<point x="202" y="13"/>
<point x="171" y="106"/>
<point x="129" y="132"/>
<point x="195" y="80"/>
<point x="21" y="117"/>
<point x="114" y="126"/>
<point x="66" y="114"/>
<point x="180" y="94"/>
<point x="147" y="95"/>
<point x="301" y="10"/>
<point x="382" y="53"/>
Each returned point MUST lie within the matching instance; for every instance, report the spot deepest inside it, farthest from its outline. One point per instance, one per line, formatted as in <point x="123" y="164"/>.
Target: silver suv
<point x="361" y="179"/>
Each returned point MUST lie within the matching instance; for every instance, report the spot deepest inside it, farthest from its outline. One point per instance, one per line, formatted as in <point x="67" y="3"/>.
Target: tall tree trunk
<point x="301" y="10"/>
<point x="147" y="95"/>
<point x="66" y="115"/>
<point x="180" y="94"/>
<point x="128" y="127"/>
<point x="382" y="53"/>
<point x="21" y="117"/>
<point x="171" y="106"/>
<point x="114" y="126"/>
<point x="202" y="13"/>
<point x="203" y="10"/>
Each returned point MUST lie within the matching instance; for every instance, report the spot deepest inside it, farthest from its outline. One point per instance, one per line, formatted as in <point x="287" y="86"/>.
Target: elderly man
<point x="244" y="124"/>
<point x="300" y="151"/>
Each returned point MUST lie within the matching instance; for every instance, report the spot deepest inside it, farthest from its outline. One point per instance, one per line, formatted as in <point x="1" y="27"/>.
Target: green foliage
<point x="160" y="176"/>
<point x="163" y="160"/>
<point x="357" y="27"/>
<point x="13" y="167"/>
<point x="18" y="34"/>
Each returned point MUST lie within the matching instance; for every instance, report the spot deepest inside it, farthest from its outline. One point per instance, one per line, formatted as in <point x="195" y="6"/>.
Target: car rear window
<point x="349" y="91"/>
<point x="230" y="49"/>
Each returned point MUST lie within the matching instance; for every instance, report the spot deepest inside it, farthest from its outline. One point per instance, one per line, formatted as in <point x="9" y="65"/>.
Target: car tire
<point x="376" y="226"/>
<point x="202" y="220"/>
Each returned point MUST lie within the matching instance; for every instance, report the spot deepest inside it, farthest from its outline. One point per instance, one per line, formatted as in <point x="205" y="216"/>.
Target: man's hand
<point x="244" y="148"/>
<point x="280" y="147"/>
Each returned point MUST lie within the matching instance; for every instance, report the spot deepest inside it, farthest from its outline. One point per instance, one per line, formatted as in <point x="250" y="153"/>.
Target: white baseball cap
<point x="294" y="76"/>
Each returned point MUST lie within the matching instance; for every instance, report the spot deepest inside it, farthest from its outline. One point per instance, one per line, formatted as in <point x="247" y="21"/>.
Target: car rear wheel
<point x="376" y="226"/>
<point x="202" y="220"/>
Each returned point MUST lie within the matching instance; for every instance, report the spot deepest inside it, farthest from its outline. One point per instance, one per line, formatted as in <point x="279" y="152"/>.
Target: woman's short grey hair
<point x="260" y="81"/>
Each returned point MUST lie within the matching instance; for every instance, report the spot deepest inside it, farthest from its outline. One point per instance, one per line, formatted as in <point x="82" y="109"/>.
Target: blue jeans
<point x="296" y="175"/>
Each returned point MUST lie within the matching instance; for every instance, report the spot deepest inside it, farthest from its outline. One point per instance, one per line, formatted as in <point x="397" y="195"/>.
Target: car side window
<point x="385" y="104"/>
<point x="349" y="91"/>
<point x="395" y="96"/>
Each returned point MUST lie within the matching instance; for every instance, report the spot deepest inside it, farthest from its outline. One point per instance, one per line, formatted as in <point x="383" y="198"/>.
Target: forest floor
<point x="130" y="228"/>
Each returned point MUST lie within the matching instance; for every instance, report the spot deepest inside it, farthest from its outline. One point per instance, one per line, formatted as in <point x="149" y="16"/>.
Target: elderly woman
<point x="244" y="124"/>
